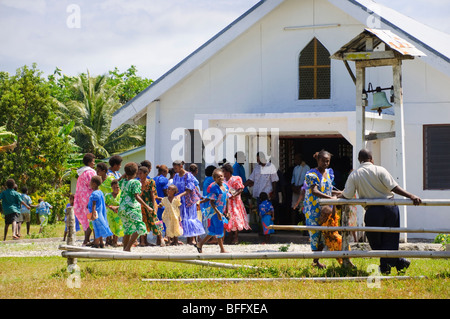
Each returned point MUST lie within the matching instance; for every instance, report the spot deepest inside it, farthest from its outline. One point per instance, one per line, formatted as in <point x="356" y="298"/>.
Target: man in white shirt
<point x="264" y="178"/>
<point x="298" y="177"/>
<point x="375" y="182"/>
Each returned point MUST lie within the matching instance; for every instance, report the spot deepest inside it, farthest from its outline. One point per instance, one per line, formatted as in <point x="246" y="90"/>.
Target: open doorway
<point x="307" y="145"/>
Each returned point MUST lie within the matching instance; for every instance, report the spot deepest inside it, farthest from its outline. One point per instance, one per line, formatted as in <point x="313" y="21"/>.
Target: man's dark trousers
<point x="384" y="216"/>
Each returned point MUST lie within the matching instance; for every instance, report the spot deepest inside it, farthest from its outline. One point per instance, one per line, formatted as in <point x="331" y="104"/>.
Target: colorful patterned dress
<point x="105" y="187"/>
<point x="150" y="218"/>
<point x="188" y="210"/>
<point x="311" y="207"/>
<point x="266" y="219"/>
<point x="100" y="225"/>
<point x="114" y="221"/>
<point x="83" y="191"/>
<point x="171" y="217"/>
<point x="333" y="239"/>
<point x="236" y="210"/>
<point x="219" y="196"/>
<point x="161" y="183"/>
<point x="130" y="209"/>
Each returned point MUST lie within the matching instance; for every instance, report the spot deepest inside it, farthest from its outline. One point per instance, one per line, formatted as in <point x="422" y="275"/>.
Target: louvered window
<point x="436" y="145"/>
<point x="314" y="72"/>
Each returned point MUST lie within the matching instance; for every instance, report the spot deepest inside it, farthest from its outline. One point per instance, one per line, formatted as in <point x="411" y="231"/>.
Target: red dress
<point x="236" y="210"/>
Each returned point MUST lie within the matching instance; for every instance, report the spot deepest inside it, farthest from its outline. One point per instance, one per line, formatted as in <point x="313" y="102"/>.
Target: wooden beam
<point x="375" y="55"/>
<point x="366" y="229"/>
<point x="71" y="248"/>
<point x="379" y="136"/>
<point x="258" y="255"/>
<point x="350" y="71"/>
<point x="384" y="202"/>
<point x="360" y="110"/>
<point x="382" y="62"/>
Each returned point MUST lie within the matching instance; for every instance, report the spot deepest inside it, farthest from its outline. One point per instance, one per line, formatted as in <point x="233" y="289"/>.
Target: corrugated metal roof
<point x="396" y="43"/>
<point x="358" y="43"/>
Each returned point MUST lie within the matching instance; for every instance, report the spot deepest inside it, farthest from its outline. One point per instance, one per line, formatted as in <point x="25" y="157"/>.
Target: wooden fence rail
<point x="267" y="255"/>
<point x="366" y="229"/>
<point x="73" y="252"/>
<point x="71" y="248"/>
<point x="384" y="202"/>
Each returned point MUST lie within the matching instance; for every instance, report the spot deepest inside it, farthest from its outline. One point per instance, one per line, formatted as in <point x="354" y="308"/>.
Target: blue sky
<point x="154" y="35"/>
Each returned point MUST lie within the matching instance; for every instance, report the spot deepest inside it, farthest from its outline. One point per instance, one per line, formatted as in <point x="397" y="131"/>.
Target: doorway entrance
<point x="307" y="145"/>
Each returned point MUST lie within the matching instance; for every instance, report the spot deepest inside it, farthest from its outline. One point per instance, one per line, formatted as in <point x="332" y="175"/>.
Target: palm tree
<point x="92" y="112"/>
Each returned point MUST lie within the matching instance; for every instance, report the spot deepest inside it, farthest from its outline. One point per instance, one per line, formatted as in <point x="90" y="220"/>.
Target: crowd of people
<point x="109" y="205"/>
<point x="16" y="208"/>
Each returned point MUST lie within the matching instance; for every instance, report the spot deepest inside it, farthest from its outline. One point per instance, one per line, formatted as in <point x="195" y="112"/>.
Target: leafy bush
<point x="443" y="239"/>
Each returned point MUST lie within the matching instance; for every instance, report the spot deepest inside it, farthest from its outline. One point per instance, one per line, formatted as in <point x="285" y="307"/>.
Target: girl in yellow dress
<point x="171" y="215"/>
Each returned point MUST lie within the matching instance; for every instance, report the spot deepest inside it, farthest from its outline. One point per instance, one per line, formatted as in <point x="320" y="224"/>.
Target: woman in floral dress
<point x="319" y="184"/>
<point x="82" y="194"/>
<point x="185" y="182"/>
<point x="130" y="206"/>
<point x="148" y="195"/>
<point x="236" y="209"/>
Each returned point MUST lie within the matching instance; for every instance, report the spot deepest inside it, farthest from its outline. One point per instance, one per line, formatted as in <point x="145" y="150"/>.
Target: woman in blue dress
<point x="319" y="184"/>
<point x="185" y="182"/>
<point x="215" y="214"/>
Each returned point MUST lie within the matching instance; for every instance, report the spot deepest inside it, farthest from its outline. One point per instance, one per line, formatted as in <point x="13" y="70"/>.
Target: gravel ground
<point x="49" y="247"/>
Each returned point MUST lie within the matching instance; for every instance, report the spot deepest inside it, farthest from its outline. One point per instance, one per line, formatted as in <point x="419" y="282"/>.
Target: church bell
<point x="380" y="101"/>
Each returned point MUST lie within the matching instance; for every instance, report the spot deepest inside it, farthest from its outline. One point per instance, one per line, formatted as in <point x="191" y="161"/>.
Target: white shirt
<point x="299" y="173"/>
<point x="263" y="177"/>
<point x="370" y="181"/>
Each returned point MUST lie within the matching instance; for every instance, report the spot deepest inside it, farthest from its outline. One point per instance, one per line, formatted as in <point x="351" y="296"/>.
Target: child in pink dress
<point x="236" y="209"/>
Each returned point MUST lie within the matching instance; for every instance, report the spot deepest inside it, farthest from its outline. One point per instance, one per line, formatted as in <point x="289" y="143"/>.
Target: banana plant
<point x="8" y="140"/>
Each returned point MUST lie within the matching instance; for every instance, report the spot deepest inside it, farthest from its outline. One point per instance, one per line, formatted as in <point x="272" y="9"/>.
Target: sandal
<point x="198" y="249"/>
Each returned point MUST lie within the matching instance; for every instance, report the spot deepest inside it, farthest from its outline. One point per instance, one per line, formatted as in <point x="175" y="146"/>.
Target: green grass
<point x="46" y="277"/>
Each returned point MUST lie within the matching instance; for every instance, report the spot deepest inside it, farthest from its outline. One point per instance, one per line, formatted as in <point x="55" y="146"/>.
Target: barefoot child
<point x="11" y="201"/>
<point x="148" y="191"/>
<point x="77" y="224"/>
<point x="266" y="212"/>
<point x="43" y="210"/>
<point x="25" y="213"/>
<point x="112" y="201"/>
<point x="171" y="215"/>
<point x="130" y="206"/>
<point x="97" y="213"/>
<point x="105" y="187"/>
<point x="218" y="195"/>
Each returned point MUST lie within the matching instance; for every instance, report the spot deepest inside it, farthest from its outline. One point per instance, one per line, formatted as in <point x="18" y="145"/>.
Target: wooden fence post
<point x="345" y="234"/>
<point x="71" y="233"/>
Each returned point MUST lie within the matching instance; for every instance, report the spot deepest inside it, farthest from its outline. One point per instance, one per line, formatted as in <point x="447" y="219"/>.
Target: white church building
<point x="268" y="82"/>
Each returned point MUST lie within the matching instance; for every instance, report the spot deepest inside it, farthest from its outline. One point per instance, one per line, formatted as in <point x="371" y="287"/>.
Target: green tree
<point x="60" y="86"/>
<point x="92" y="107"/>
<point x="128" y="84"/>
<point x="28" y="111"/>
